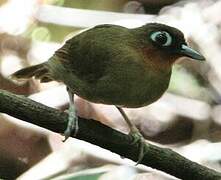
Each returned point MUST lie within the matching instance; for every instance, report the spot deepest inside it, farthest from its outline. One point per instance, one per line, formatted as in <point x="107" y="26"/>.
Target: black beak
<point x="189" y="52"/>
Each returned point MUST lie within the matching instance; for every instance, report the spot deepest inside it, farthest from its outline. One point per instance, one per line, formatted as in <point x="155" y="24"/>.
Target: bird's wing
<point x="88" y="54"/>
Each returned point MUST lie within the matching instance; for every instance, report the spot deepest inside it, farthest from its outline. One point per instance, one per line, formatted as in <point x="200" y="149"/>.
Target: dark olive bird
<point x="115" y="65"/>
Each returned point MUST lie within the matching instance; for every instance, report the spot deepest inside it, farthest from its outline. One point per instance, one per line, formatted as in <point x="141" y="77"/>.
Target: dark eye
<point x="162" y="38"/>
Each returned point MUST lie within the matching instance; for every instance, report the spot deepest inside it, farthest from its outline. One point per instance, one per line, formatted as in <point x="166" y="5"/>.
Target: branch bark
<point x="96" y="133"/>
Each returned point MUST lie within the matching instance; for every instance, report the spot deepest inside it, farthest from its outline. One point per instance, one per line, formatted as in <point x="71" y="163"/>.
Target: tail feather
<point x="46" y="79"/>
<point x="38" y="71"/>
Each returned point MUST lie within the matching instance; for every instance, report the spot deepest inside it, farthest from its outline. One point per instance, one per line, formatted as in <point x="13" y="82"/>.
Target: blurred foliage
<point x="48" y="32"/>
<point x="85" y="176"/>
<point x="111" y="5"/>
<point x="51" y="32"/>
<point x="186" y="84"/>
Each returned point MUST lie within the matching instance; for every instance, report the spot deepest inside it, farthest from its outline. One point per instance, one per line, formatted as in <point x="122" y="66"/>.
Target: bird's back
<point x="88" y="54"/>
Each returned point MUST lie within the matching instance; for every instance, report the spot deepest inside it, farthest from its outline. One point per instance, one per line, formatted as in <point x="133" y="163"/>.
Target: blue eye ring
<point x="162" y="38"/>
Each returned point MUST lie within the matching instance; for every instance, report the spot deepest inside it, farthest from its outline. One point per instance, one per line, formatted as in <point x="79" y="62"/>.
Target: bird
<point x="115" y="65"/>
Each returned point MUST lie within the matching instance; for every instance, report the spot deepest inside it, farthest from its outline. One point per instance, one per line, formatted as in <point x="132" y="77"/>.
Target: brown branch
<point x="96" y="133"/>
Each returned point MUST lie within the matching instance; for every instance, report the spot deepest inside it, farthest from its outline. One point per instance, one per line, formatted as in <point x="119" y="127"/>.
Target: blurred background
<point x="187" y="118"/>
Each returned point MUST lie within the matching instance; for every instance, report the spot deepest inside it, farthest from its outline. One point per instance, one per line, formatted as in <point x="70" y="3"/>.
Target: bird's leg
<point x="135" y="133"/>
<point x="72" y="117"/>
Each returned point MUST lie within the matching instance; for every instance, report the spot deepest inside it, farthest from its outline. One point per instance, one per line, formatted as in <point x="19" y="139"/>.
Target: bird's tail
<point x="39" y="71"/>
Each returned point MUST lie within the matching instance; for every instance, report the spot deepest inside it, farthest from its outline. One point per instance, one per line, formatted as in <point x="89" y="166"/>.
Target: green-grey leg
<point x="135" y="133"/>
<point x="72" y="117"/>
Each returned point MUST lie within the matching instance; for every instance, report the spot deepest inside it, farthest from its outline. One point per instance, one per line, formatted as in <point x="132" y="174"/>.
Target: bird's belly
<point x="131" y="94"/>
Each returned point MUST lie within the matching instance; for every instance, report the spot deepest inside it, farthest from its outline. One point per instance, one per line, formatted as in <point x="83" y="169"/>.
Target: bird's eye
<point x="162" y="38"/>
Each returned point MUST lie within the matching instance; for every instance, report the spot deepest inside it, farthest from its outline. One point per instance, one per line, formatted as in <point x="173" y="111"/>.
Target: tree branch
<point x="96" y="133"/>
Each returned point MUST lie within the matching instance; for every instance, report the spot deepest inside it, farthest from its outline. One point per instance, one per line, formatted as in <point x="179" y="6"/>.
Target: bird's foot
<point x="72" y="126"/>
<point x="138" y="138"/>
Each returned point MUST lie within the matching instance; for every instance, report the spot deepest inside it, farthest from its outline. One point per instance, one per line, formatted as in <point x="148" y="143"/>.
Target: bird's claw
<point x="138" y="138"/>
<point x="72" y="124"/>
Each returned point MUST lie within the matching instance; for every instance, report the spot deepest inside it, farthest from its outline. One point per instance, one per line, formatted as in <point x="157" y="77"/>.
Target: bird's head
<point x="164" y="44"/>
